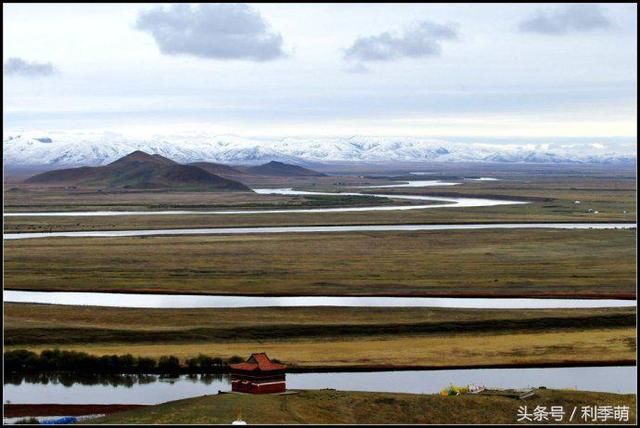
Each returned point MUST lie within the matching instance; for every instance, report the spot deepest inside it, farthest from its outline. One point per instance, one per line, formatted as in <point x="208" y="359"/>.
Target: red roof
<point x="258" y="362"/>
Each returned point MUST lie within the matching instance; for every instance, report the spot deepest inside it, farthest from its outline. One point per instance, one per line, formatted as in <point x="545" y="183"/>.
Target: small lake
<point x="413" y="183"/>
<point x="153" y="389"/>
<point x="131" y="300"/>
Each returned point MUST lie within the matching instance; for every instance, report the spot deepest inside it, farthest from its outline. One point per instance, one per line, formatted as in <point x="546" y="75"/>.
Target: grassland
<point x="22" y="316"/>
<point x="502" y="263"/>
<point x="551" y="195"/>
<point x="341" y="407"/>
<point x="359" y="337"/>
<point x="565" y="348"/>
<point x="29" y="198"/>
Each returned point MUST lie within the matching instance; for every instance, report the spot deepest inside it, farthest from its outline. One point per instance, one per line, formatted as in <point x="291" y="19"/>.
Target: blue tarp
<point x="60" y="421"/>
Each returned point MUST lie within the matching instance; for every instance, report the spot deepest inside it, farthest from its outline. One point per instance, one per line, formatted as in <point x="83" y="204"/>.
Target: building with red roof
<point x="258" y="375"/>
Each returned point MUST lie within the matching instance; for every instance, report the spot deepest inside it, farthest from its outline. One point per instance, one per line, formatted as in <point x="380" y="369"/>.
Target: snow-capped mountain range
<point x="72" y="149"/>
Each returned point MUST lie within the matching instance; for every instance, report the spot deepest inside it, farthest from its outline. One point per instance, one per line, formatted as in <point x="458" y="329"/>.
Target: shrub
<point x="55" y="360"/>
<point x="145" y="365"/>
<point x="235" y="359"/>
<point x="20" y="360"/>
<point x="169" y="364"/>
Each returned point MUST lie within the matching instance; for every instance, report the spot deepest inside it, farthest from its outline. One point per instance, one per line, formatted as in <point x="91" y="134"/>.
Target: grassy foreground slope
<point x="341" y="407"/>
<point x="493" y="263"/>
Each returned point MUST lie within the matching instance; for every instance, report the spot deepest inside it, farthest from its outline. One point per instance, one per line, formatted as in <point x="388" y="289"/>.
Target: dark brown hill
<point x="140" y="170"/>
<point x="218" y="168"/>
<point x="281" y="169"/>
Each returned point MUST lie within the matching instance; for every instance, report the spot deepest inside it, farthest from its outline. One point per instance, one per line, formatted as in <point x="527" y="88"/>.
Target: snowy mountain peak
<point x="71" y="149"/>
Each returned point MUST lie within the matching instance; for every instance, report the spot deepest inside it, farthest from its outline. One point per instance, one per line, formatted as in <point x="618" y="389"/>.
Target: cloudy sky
<point x="491" y="71"/>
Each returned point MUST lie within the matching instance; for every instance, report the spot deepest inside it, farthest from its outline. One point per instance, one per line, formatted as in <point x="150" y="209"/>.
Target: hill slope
<point x="218" y="168"/>
<point x="140" y="170"/>
<point x="342" y="407"/>
<point x="280" y="169"/>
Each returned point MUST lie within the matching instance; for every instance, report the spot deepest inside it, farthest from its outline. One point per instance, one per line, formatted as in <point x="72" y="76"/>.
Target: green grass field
<point x="342" y="407"/>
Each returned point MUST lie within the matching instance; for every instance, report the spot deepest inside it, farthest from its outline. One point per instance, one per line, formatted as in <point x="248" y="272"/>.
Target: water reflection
<point x="116" y="380"/>
<point x="153" y="389"/>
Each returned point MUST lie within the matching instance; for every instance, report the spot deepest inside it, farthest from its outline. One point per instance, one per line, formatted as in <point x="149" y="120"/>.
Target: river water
<point x="153" y="389"/>
<point x="444" y="202"/>
<point x="312" y="229"/>
<point x="131" y="300"/>
<point x="412" y="183"/>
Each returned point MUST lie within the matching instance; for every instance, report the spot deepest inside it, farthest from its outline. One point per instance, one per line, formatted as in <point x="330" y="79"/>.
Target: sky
<point x="492" y="71"/>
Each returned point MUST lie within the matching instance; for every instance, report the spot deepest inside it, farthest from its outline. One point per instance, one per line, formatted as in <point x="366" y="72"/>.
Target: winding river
<point x="154" y="389"/>
<point x="444" y="203"/>
<point x="150" y="300"/>
<point x="311" y="229"/>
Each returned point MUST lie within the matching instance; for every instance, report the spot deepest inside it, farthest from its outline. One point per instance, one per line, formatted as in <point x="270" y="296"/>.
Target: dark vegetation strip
<point x="307" y="201"/>
<point x="22" y="361"/>
<point x="71" y="367"/>
<point x="69" y="379"/>
<point x="33" y="336"/>
<point x="523" y="365"/>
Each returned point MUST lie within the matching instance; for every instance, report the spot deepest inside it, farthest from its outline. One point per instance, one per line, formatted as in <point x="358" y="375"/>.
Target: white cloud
<point x="494" y="81"/>
<point x="19" y="67"/>
<point x="218" y="31"/>
<point x="571" y="18"/>
<point x="421" y="40"/>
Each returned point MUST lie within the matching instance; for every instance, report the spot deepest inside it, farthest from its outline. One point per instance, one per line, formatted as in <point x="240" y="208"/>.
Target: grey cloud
<point x="422" y="40"/>
<point x="19" y="67"/>
<point x="219" y="31"/>
<point x="572" y="18"/>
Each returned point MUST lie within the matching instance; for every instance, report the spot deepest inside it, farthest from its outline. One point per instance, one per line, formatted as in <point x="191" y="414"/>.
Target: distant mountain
<point x="218" y="168"/>
<point x="280" y="169"/>
<point x="64" y="149"/>
<point x="140" y="170"/>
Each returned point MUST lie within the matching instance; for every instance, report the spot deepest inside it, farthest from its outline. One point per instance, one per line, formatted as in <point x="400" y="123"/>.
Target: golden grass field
<point x="358" y="336"/>
<point x="450" y="350"/>
<point x="18" y="316"/>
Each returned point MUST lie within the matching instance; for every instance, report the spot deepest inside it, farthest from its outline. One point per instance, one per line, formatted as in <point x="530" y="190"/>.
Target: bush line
<point x="56" y="360"/>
